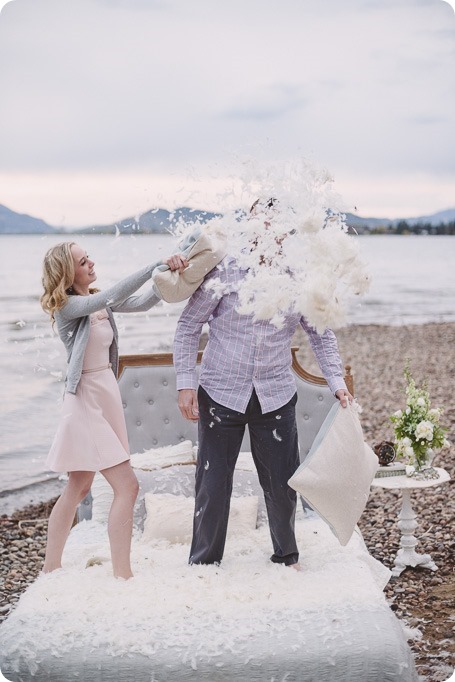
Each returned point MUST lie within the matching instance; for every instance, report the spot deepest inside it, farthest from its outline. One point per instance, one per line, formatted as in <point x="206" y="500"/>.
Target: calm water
<point x="413" y="283"/>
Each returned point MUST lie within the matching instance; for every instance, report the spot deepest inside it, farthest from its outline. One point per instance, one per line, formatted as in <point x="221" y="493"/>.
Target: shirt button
<point x="150" y="402"/>
<point x="165" y="383"/>
<point x="166" y="421"/>
<point x="320" y="397"/>
<point x="306" y="416"/>
<point x="136" y="383"/>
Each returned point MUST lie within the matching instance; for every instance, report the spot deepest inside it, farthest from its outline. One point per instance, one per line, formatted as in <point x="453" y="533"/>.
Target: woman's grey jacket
<point x="73" y="321"/>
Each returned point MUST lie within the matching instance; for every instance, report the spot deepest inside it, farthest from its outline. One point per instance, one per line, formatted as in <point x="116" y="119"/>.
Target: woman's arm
<point x="120" y="294"/>
<point x="145" y="301"/>
<point x="80" y="306"/>
<point x="137" y="304"/>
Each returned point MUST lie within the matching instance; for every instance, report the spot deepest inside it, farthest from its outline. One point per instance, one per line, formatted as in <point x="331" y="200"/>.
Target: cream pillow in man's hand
<point x="335" y="477"/>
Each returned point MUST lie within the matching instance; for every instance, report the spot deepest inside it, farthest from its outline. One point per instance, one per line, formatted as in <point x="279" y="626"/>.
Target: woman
<point x="92" y="434"/>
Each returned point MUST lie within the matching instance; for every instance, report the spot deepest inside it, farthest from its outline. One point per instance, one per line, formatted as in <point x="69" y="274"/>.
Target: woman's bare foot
<point x="50" y="568"/>
<point x="124" y="577"/>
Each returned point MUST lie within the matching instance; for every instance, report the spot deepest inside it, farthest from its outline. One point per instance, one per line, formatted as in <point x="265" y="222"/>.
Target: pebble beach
<point x="421" y="598"/>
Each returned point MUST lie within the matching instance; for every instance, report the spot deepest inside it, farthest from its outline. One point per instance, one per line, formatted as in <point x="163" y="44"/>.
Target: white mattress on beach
<point x="201" y="622"/>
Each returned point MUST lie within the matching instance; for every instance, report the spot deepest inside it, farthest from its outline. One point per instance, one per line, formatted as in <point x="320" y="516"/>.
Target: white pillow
<point x="243" y="514"/>
<point x="149" y="460"/>
<point x="103" y="496"/>
<point x="245" y="462"/>
<point x="170" y="517"/>
<point x="176" y="480"/>
<point x="336" y="474"/>
<point x="158" y="458"/>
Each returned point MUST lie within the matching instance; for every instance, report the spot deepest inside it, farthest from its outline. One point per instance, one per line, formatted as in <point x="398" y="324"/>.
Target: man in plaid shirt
<point x="245" y="378"/>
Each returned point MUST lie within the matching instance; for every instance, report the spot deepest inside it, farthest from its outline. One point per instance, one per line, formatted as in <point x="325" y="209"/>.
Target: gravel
<point x="22" y="548"/>
<point x="421" y="598"/>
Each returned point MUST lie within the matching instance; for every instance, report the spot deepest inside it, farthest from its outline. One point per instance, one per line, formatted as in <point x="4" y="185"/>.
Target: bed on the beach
<point x="248" y="619"/>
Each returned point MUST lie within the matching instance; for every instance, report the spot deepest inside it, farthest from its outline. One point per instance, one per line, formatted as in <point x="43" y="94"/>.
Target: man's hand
<point x="188" y="404"/>
<point x="176" y="262"/>
<point x="344" y="397"/>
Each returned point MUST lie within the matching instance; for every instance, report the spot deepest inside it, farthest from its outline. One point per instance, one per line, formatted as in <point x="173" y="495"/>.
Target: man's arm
<point x="325" y="348"/>
<point x="197" y="312"/>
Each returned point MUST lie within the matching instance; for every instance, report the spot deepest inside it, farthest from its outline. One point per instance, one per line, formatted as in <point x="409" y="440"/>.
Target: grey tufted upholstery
<point x="147" y="385"/>
<point x="149" y="400"/>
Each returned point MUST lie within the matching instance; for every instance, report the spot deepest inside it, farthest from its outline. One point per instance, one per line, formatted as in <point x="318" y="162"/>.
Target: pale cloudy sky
<point x="111" y="107"/>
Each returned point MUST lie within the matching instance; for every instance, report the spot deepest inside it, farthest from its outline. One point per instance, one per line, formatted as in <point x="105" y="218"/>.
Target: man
<point x="245" y="378"/>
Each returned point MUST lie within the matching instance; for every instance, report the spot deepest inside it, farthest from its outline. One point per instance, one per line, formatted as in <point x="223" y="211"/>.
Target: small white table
<point x="407" y="556"/>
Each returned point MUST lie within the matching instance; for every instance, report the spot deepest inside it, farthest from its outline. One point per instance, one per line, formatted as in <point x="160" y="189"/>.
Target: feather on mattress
<point x="249" y="619"/>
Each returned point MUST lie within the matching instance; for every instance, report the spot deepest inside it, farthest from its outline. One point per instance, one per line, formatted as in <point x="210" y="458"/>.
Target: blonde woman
<point x="91" y="435"/>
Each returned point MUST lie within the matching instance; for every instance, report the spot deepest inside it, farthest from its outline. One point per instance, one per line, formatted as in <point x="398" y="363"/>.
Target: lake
<point x="413" y="283"/>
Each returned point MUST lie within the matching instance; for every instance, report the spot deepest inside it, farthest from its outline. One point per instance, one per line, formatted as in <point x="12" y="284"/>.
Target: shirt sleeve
<point x="197" y="312"/>
<point x="325" y="348"/>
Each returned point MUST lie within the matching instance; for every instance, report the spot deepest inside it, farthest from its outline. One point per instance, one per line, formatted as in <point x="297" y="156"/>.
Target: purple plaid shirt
<point x="242" y="354"/>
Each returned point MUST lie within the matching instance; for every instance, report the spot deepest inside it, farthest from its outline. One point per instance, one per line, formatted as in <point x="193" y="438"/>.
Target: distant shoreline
<point x="373" y="232"/>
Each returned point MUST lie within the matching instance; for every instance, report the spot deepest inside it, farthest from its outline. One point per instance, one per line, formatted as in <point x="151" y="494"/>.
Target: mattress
<point x="248" y="619"/>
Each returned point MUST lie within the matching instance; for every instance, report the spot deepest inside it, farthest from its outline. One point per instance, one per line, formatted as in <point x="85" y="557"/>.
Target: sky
<point x="112" y="107"/>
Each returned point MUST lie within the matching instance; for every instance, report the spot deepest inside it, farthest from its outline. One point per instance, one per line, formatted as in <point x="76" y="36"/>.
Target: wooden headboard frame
<point x="154" y="359"/>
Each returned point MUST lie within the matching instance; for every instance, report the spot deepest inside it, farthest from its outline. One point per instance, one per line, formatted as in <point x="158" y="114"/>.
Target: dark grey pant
<point x="274" y="446"/>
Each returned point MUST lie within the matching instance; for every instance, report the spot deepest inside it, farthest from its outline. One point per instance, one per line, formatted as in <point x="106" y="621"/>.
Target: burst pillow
<point x="203" y="256"/>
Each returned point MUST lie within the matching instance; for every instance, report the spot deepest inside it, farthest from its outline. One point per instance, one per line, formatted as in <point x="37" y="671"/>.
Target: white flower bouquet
<point x="418" y="432"/>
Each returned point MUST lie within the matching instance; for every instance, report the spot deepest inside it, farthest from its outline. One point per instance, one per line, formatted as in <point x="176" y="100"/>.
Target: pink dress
<point x="91" y="435"/>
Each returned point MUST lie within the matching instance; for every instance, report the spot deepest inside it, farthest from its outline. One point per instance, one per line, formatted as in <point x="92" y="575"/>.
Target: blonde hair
<point x="58" y="276"/>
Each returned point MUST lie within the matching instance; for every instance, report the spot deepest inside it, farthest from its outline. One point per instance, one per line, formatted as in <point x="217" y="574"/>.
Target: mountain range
<point x="159" y="220"/>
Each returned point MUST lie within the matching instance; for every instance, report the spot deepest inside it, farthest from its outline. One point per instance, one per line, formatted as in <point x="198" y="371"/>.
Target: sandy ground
<point x="422" y="598"/>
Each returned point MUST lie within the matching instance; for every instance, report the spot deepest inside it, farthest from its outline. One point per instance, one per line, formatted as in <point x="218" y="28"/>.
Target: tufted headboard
<point x="153" y="419"/>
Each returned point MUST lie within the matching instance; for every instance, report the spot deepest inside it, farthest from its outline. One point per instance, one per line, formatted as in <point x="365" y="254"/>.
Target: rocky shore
<point x="421" y="598"/>
<point x="22" y="548"/>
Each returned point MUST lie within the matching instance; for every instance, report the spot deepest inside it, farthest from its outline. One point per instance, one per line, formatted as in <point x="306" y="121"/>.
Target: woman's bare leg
<point x="120" y="527"/>
<point x="62" y="517"/>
